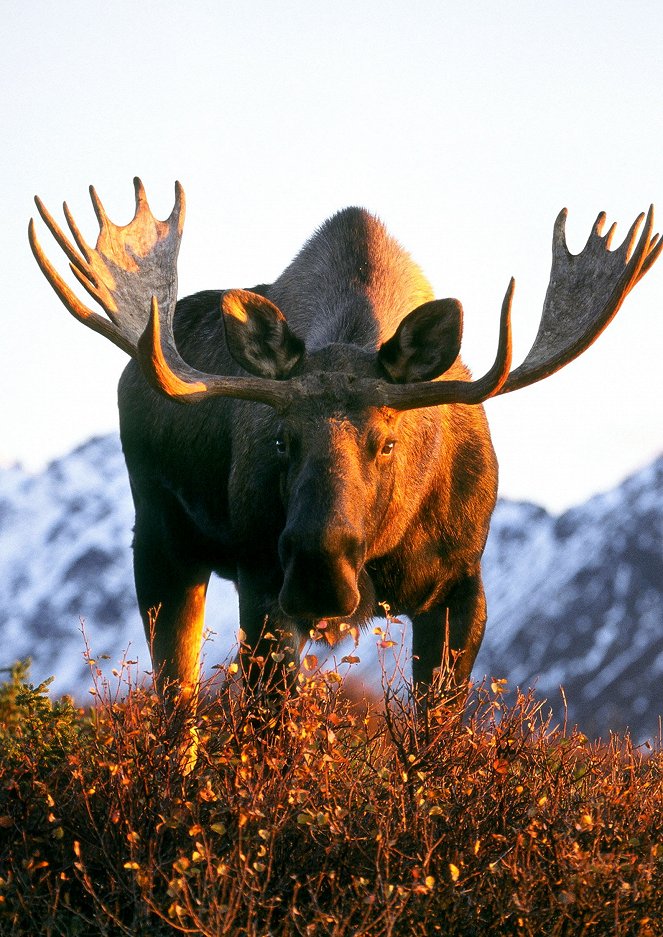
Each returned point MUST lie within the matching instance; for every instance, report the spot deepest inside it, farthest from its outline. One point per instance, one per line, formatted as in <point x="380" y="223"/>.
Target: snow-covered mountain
<point x="577" y="601"/>
<point x="574" y="600"/>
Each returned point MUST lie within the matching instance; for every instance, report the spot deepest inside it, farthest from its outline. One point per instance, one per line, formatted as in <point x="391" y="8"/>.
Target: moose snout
<point x="321" y="573"/>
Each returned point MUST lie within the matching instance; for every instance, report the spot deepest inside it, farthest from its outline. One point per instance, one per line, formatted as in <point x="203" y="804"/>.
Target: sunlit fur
<point x="333" y="526"/>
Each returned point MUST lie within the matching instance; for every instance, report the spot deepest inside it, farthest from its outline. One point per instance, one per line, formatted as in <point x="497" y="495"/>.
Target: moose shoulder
<point x="335" y="454"/>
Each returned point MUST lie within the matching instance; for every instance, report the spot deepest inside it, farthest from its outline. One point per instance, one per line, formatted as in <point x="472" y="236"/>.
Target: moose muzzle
<point x="321" y="574"/>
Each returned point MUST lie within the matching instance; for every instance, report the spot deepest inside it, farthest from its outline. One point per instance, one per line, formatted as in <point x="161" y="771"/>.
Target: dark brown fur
<point x="334" y="519"/>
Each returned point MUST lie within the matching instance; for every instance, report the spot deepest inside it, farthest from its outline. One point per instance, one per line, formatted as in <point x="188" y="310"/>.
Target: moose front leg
<point x="461" y="620"/>
<point x="171" y="596"/>
<point x="272" y="646"/>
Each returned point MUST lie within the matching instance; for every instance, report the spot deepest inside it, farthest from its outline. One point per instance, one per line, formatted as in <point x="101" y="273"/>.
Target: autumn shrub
<point x="316" y="815"/>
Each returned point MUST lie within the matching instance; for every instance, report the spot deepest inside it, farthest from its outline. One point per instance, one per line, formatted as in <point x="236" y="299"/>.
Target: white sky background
<point x="466" y="127"/>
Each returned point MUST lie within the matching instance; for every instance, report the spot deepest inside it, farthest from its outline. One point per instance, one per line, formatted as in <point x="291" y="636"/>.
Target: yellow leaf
<point x="454" y="871"/>
<point x="207" y="794"/>
<point x="501" y="766"/>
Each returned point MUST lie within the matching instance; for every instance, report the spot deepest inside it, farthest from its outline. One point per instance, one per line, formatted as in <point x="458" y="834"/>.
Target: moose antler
<point x="165" y="369"/>
<point x="128" y="266"/>
<point x="132" y="274"/>
<point x="584" y="294"/>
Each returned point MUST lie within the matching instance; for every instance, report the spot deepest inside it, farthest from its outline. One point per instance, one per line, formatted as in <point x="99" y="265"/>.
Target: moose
<point x="316" y="440"/>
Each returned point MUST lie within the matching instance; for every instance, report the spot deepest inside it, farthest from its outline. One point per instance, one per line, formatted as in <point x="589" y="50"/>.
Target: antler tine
<point x="559" y="235"/>
<point x="141" y="198"/>
<point x="653" y="253"/>
<point x="655" y="240"/>
<point x="498" y="374"/>
<point x="597" y="230"/>
<point x="179" y="208"/>
<point x="159" y="361"/>
<point x="168" y="373"/>
<point x="584" y="294"/>
<point x="607" y="239"/>
<point x="626" y="248"/>
<point x="434" y="393"/>
<point x="99" y="209"/>
<point x="78" y="237"/>
<point x="59" y="234"/>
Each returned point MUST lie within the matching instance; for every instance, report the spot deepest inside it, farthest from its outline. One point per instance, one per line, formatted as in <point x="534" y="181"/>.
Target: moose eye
<point x="281" y="447"/>
<point x="388" y="447"/>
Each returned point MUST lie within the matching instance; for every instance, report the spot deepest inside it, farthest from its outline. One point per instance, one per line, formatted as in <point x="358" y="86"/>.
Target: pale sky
<point x="465" y="127"/>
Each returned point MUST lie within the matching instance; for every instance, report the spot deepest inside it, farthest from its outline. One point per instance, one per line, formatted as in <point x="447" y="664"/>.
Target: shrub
<point x="316" y="815"/>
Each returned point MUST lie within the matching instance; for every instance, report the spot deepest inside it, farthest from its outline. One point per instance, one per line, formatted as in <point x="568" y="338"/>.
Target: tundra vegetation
<point x="320" y="816"/>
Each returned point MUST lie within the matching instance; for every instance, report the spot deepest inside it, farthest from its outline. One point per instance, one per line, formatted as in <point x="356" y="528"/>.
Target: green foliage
<point x="31" y="725"/>
<point x="320" y="815"/>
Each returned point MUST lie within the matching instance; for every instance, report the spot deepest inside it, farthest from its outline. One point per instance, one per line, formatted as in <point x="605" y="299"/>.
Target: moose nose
<point x="320" y="579"/>
<point x="343" y="543"/>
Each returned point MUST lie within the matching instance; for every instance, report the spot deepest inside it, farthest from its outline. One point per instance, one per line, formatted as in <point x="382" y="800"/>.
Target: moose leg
<point x="465" y="611"/>
<point x="171" y="596"/>
<point x="271" y="657"/>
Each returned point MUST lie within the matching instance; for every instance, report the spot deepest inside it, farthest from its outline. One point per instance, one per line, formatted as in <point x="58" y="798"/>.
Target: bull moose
<point x="317" y="440"/>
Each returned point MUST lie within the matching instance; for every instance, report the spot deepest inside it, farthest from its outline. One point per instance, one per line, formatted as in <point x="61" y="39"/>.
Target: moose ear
<point x="258" y="335"/>
<point x="425" y="344"/>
